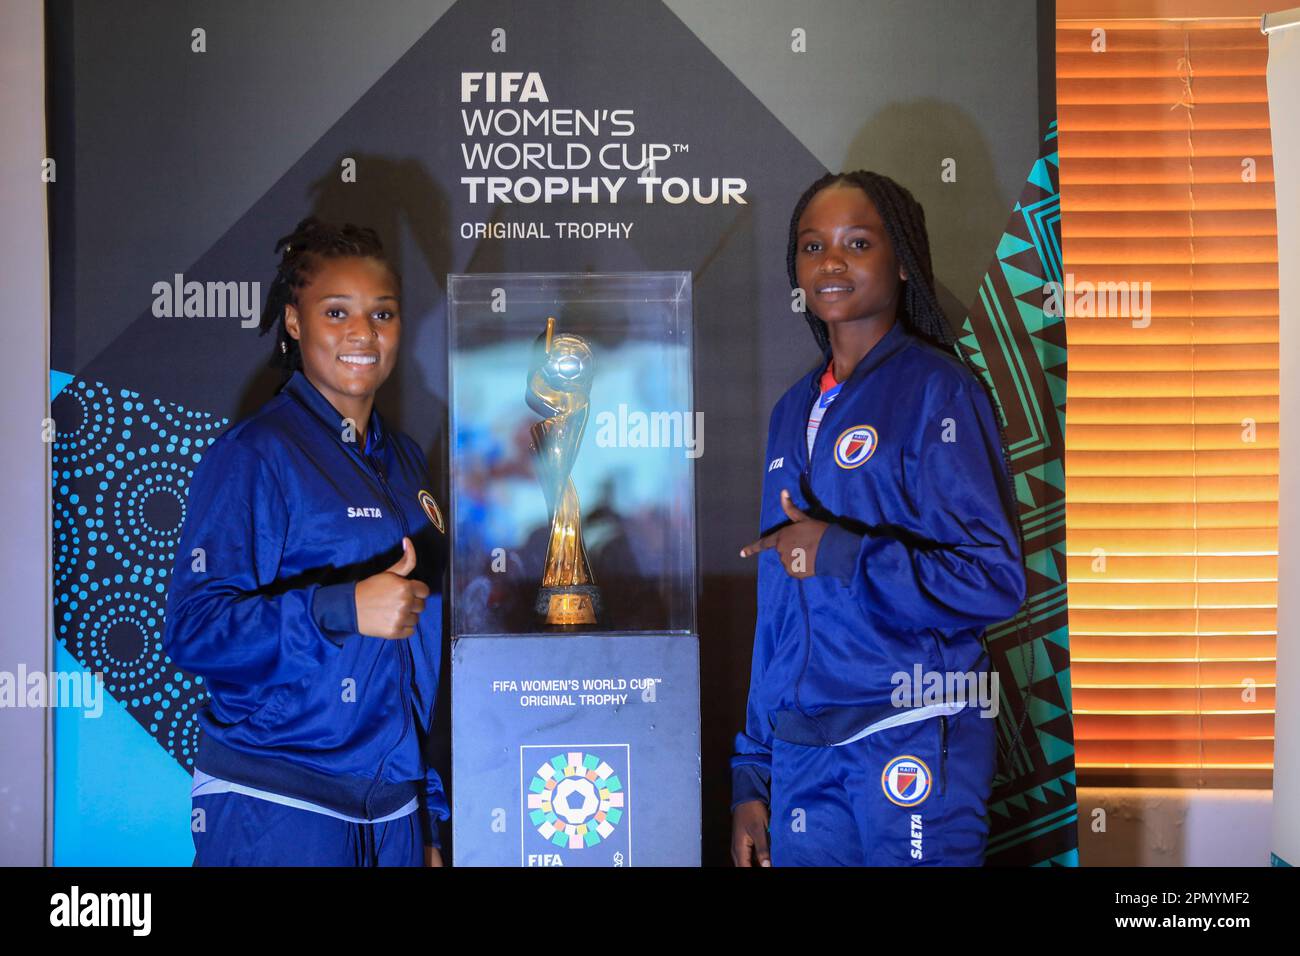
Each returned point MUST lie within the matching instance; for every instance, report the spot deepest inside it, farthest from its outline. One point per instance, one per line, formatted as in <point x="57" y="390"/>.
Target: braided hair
<point x="919" y="311"/>
<point x="302" y="252"/>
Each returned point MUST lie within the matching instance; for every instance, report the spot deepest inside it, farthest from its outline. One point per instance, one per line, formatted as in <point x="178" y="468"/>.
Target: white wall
<point x="1284" y="119"/>
<point x="24" y="386"/>
<point x="1175" y="827"/>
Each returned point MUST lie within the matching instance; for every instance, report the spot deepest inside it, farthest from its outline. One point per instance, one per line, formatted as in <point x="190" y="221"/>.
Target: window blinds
<point x="1171" y="425"/>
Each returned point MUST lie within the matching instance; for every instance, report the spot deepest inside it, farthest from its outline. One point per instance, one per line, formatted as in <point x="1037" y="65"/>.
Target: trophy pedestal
<point x="576" y="750"/>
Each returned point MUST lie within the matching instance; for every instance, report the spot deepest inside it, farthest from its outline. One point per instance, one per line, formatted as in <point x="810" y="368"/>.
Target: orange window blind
<point x="1169" y="235"/>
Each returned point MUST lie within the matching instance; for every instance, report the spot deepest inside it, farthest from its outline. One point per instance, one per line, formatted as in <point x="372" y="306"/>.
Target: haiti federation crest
<point x="906" y="780"/>
<point x="576" y="805"/>
<point x="855" y="445"/>
<point x="432" y="511"/>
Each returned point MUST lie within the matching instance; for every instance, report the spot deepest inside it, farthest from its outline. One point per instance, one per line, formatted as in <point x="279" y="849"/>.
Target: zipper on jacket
<point x="807" y="465"/>
<point x="376" y="471"/>
<point x="406" y="531"/>
<point x="940" y="663"/>
<point x="404" y="689"/>
<point x="807" y="475"/>
<point x="815" y="390"/>
<point x="807" y="650"/>
<point x="404" y="652"/>
<point x="798" y="582"/>
<point x="943" y="754"/>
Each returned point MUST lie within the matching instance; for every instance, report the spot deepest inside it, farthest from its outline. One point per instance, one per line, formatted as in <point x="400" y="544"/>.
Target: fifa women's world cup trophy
<point x="559" y="389"/>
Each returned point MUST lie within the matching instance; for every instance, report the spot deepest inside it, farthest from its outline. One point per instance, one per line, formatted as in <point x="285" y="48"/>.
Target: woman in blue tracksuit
<point x="307" y="590"/>
<point x="890" y="542"/>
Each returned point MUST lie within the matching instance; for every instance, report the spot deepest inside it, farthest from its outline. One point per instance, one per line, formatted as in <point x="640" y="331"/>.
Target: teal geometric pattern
<point x="1020" y="348"/>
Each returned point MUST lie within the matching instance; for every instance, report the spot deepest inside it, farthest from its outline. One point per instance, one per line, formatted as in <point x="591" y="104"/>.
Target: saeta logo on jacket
<point x="855" y="445"/>
<point x="431" y="510"/>
<point x="365" y="513"/>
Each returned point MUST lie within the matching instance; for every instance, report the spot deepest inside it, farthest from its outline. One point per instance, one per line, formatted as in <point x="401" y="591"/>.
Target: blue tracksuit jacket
<point x="288" y="517"/>
<point x="920" y="556"/>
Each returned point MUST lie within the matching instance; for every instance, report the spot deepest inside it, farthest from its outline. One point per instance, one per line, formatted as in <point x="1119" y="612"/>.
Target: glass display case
<point x="574" y="439"/>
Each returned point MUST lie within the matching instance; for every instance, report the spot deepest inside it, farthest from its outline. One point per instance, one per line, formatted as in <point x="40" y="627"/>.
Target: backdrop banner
<point x="586" y="136"/>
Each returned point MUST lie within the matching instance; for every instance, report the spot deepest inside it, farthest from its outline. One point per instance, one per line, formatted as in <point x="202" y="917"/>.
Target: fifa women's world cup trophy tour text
<point x="559" y="389"/>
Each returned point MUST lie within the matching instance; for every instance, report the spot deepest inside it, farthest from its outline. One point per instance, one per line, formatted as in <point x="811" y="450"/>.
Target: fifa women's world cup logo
<point x="559" y="389"/>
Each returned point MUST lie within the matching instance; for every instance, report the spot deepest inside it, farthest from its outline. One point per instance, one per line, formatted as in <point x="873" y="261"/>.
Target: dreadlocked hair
<point x="301" y="253"/>
<point x="921" y="315"/>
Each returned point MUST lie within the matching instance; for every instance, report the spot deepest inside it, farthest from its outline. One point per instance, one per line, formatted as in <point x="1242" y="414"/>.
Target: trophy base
<point x="576" y="604"/>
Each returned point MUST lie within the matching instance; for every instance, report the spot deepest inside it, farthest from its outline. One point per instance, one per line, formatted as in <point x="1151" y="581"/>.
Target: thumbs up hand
<point x="388" y="603"/>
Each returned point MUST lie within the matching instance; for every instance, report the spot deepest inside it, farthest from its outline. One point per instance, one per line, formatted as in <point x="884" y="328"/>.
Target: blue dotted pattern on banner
<point x="122" y="467"/>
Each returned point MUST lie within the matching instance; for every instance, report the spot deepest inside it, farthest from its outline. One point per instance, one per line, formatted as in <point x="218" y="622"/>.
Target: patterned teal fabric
<point x="1021" y="349"/>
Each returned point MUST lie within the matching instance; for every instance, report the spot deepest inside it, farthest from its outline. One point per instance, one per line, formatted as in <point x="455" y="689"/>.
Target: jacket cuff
<point x="429" y="827"/>
<point x="837" y="553"/>
<point x="750" y="782"/>
<point x="334" y="608"/>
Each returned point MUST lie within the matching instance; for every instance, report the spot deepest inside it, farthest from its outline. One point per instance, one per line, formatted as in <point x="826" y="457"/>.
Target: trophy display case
<point x="612" y="453"/>
<point x="575" y="659"/>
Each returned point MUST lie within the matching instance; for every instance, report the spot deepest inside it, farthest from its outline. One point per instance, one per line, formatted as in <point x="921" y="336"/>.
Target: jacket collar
<point x="301" y="388"/>
<point x="890" y="344"/>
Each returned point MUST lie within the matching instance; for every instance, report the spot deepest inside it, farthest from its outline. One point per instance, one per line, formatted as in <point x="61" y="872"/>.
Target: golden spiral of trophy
<point x="559" y="389"/>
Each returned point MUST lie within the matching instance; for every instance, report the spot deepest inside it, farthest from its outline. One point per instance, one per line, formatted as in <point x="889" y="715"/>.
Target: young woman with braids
<point x="307" y="589"/>
<point x="890" y="542"/>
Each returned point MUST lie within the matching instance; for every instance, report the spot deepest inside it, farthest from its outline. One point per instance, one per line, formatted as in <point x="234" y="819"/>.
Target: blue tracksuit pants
<point x="913" y="795"/>
<point x="240" y="830"/>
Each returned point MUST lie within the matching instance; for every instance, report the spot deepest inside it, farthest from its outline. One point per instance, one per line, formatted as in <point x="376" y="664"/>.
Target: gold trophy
<point x="559" y="389"/>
